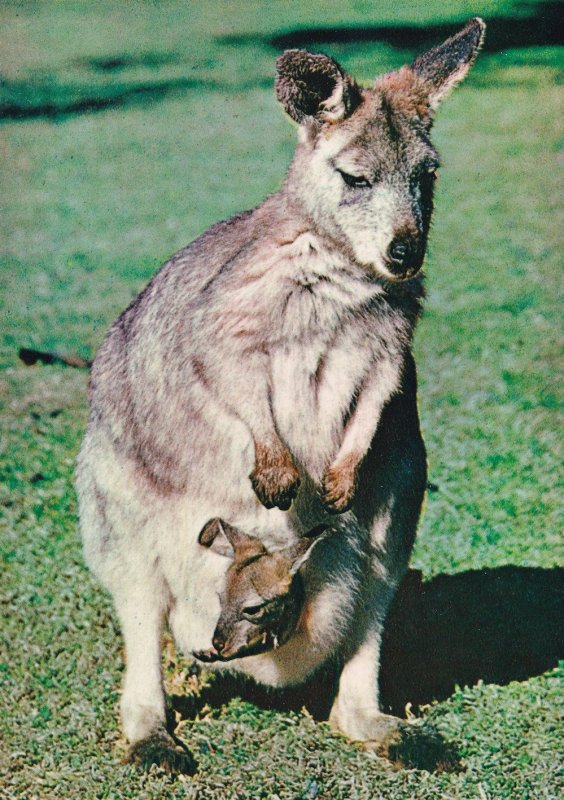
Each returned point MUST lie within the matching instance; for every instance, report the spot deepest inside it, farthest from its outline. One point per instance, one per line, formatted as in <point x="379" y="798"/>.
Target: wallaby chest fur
<point x="262" y="298"/>
<point x="265" y="377"/>
<point x="260" y="301"/>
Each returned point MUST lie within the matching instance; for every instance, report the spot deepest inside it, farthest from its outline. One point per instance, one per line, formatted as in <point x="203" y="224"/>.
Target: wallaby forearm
<point x="339" y="481"/>
<point x="246" y="394"/>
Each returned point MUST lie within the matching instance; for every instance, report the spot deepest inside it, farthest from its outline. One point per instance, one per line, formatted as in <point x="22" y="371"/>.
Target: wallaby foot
<point x="275" y="478"/>
<point x="355" y="713"/>
<point x="162" y="749"/>
<point x="339" y="487"/>
<point x="413" y="745"/>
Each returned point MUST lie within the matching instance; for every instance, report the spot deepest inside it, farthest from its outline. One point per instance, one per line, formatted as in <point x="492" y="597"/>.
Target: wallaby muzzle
<point x="405" y="254"/>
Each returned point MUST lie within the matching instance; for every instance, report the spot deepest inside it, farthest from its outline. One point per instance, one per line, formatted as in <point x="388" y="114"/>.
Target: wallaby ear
<point x="443" y="67"/>
<point x="313" y="85"/>
<point x="300" y="552"/>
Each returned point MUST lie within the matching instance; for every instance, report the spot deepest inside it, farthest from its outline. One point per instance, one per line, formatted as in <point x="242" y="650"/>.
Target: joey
<point x="264" y="594"/>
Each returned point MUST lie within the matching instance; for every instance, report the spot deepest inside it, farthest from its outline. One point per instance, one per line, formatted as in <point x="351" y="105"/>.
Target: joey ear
<point x="313" y="85"/>
<point x="213" y="536"/>
<point x="443" y="67"/>
<point x="300" y="552"/>
<point x="226" y="540"/>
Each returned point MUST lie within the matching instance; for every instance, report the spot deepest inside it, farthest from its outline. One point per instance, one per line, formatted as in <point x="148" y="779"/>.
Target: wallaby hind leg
<point x="356" y="711"/>
<point x="390" y="493"/>
<point x="142" y="705"/>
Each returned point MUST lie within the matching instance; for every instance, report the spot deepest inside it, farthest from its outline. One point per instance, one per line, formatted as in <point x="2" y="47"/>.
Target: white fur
<point x="370" y="243"/>
<point x="272" y="333"/>
<point x="368" y="218"/>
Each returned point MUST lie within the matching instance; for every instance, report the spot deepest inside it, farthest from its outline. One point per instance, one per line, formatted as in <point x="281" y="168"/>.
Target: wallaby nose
<point x="404" y="254"/>
<point x="218" y="643"/>
<point x="399" y="251"/>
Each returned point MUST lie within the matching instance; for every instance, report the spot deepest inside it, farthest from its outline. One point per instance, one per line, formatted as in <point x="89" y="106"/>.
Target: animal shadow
<point x="497" y="625"/>
<point x="537" y="25"/>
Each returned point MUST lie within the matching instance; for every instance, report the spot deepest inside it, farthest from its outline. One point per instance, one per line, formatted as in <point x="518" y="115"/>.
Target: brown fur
<point x="276" y="347"/>
<point x="275" y="478"/>
<point x="339" y="485"/>
<point x="267" y="583"/>
<point x="406" y="92"/>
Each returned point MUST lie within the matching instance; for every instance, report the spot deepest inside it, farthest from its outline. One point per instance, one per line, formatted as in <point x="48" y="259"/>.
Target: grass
<point x="93" y="202"/>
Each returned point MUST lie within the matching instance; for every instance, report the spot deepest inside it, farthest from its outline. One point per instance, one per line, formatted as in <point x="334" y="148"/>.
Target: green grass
<point x="92" y="203"/>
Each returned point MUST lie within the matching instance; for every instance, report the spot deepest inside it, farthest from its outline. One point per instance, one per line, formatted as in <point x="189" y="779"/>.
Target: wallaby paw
<point x="415" y="746"/>
<point x="166" y="752"/>
<point x="275" y="478"/>
<point x="338" y="488"/>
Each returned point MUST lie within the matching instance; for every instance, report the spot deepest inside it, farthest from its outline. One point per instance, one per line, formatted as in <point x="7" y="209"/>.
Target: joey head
<point x="264" y="594"/>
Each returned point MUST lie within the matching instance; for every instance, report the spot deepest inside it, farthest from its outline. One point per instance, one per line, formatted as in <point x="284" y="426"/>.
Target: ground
<point x="129" y="128"/>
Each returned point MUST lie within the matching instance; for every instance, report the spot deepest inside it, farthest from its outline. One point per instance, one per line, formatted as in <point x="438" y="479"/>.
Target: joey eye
<point x="354" y="181"/>
<point x="254" y="613"/>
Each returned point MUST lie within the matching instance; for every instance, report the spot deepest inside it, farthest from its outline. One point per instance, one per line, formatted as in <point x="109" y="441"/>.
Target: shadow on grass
<point x="129" y="61"/>
<point x="539" y="25"/>
<point x="498" y="625"/>
<point x="72" y="99"/>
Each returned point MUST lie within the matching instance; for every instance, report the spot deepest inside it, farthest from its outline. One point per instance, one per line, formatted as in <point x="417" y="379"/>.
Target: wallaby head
<point x="263" y="596"/>
<point x="365" y="167"/>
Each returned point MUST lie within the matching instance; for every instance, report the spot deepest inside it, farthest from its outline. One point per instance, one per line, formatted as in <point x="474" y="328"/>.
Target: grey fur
<point x="269" y="362"/>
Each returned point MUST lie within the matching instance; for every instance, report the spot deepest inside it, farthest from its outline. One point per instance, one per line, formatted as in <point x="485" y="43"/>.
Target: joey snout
<point x="244" y="640"/>
<point x="207" y="656"/>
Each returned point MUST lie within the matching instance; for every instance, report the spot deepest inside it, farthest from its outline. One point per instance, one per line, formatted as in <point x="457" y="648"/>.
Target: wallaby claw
<point x="338" y="488"/>
<point x="276" y="484"/>
<point x="168" y="753"/>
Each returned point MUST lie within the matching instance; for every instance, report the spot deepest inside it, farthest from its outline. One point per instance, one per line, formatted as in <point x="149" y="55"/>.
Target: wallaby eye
<point x="354" y="181"/>
<point x="254" y="613"/>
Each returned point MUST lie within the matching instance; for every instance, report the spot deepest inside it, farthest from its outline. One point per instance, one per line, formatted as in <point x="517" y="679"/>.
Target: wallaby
<point x="268" y="365"/>
<point x="263" y="596"/>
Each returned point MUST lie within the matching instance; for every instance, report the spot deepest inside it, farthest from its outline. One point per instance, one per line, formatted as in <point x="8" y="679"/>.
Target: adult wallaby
<point x="263" y="596"/>
<point x="268" y="362"/>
